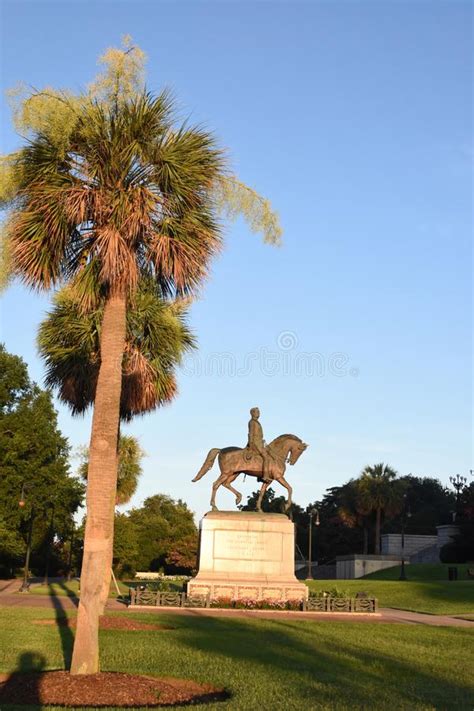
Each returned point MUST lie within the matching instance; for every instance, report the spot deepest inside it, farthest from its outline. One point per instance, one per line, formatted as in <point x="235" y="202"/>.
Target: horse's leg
<point x="227" y="484"/>
<point x="218" y="482"/>
<point x="284" y="483"/>
<point x="263" y="489"/>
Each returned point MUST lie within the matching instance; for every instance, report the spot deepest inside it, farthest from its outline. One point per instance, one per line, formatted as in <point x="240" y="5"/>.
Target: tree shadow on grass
<point x="63" y="622"/>
<point x="332" y="671"/>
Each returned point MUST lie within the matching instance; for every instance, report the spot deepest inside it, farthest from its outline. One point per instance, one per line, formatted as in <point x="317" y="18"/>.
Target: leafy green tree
<point x="109" y="189"/>
<point x="379" y="493"/>
<point x="430" y="504"/>
<point x="182" y="557"/>
<point x="33" y="458"/>
<point x="126" y="546"/>
<point x="161" y="523"/>
<point x="12" y="549"/>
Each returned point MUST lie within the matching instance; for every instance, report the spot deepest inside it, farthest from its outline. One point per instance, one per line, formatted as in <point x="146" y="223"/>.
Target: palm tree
<point x="157" y="337"/>
<point x="156" y="340"/>
<point x="379" y="493"/>
<point x="112" y="193"/>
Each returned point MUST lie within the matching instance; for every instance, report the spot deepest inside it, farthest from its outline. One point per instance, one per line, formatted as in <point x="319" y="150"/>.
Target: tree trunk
<point x="104" y="593"/>
<point x="378" y="522"/>
<point x="101" y="487"/>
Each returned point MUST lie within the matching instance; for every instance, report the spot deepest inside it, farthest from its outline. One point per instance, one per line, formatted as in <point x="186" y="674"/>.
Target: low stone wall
<point x="350" y="567"/>
<point x="392" y="543"/>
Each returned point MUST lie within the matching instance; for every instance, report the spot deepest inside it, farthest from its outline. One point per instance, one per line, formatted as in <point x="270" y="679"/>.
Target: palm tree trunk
<point x="101" y="487"/>
<point x="104" y="594"/>
<point x="378" y="521"/>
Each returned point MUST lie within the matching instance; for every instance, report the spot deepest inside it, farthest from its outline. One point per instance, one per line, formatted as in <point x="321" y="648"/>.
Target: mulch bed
<point x="108" y="623"/>
<point x="59" y="688"/>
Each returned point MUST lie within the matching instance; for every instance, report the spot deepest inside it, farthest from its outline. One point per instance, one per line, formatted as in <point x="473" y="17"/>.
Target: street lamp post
<point x="25" y="586"/>
<point x="458" y="482"/>
<point x="405" y="513"/>
<point x="49" y="544"/>
<point x="69" y="563"/>
<point x="312" y="512"/>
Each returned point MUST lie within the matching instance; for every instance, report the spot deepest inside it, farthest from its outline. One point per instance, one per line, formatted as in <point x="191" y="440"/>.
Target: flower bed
<point x="251" y="604"/>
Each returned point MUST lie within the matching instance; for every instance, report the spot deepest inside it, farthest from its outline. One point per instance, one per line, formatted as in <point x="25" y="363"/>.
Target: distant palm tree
<point x="156" y="340"/>
<point x="129" y="467"/>
<point x="377" y="491"/>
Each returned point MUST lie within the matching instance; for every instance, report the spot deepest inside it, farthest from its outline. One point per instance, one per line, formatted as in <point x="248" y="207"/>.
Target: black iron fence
<point x="143" y="596"/>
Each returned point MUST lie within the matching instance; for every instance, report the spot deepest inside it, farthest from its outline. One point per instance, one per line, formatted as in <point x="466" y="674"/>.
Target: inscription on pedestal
<point x="247" y="545"/>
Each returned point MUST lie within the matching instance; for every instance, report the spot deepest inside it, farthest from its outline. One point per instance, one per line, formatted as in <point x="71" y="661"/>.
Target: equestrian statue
<point x="265" y="462"/>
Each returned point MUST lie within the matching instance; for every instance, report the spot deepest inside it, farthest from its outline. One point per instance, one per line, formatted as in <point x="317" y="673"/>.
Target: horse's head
<point x="287" y="448"/>
<point x="296" y="450"/>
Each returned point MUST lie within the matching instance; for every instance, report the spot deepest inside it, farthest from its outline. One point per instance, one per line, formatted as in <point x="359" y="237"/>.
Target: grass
<point x="422" y="571"/>
<point x="431" y="596"/>
<point x="279" y="664"/>
<point x="71" y="589"/>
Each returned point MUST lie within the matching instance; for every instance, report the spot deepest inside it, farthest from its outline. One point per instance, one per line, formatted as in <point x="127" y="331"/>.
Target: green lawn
<point x="71" y="589"/>
<point x="280" y="664"/>
<point x="435" y="597"/>
<point x="422" y="571"/>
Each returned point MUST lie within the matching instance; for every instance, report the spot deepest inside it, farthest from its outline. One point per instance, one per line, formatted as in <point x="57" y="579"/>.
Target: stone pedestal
<point x="243" y="554"/>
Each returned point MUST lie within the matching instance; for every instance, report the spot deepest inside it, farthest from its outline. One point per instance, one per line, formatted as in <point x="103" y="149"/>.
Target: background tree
<point x="430" y="503"/>
<point x="461" y="548"/>
<point x="161" y="523"/>
<point x="378" y="493"/>
<point x="126" y="546"/>
<point x="109" y="189"/>
<point x="35" y="454"/>
<point x="353" y="510"/>
<point x="129" y="467"/>
<point x="182" y="557"/>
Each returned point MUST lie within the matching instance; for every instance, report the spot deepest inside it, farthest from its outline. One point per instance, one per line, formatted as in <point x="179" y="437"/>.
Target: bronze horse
<point x="286" y="448"/>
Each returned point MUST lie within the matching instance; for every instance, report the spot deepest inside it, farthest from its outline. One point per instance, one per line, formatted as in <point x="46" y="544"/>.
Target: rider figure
<point x="256" y="442"/>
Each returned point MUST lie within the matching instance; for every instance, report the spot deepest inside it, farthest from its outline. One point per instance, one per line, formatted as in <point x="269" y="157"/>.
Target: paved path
<point x="9" y="597"/>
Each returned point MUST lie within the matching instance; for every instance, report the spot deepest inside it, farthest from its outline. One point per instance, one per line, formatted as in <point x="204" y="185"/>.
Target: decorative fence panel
<point x="156" y="598"/>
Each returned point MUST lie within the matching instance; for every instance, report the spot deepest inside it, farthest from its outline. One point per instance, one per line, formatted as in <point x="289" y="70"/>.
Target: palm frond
<point x="157" y="339"/>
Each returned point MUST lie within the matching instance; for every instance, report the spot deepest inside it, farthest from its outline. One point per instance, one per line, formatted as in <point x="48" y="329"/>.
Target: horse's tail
<point x="207" y="464"/>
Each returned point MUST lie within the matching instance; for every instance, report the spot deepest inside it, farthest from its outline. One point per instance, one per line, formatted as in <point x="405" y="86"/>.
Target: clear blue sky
<point x="355" y="119"/>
